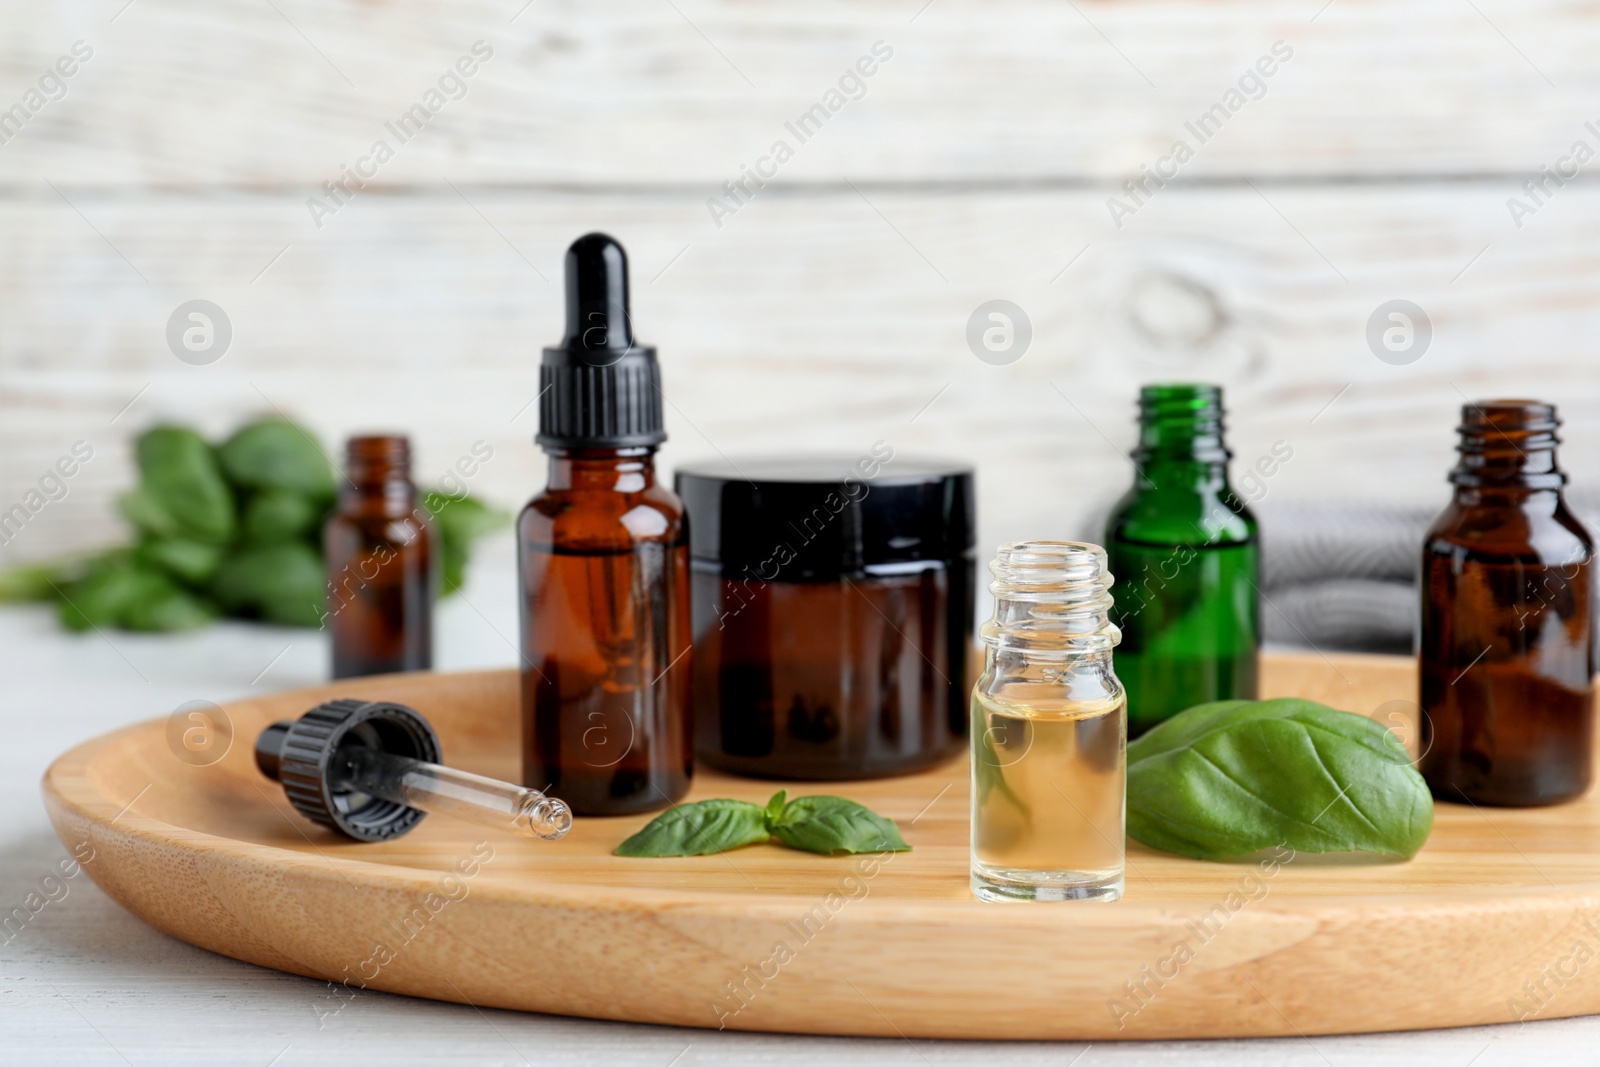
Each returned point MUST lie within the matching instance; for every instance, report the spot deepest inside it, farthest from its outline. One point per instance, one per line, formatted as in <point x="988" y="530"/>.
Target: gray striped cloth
<point x="1341" y="575"/>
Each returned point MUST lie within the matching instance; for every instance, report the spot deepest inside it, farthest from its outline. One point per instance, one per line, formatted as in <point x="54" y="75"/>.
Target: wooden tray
<point x="1496" y="919"/>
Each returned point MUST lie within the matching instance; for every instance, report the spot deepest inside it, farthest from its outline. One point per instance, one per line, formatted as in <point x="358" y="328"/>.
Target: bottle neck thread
<point x="1181" y="423"/>
<point x="1052" y="599"/>
<point x="1508" y="444"/>
<point x="378" y="466"/>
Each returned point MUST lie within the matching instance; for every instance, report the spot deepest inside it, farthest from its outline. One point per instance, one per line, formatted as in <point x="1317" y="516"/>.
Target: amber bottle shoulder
<point x="1537" y="532"/>
<point x="602" y="520"/>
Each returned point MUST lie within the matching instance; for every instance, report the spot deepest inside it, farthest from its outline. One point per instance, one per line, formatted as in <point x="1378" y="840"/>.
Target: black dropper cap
<point x="299" y="754"/>
<point x="597" y="389"/>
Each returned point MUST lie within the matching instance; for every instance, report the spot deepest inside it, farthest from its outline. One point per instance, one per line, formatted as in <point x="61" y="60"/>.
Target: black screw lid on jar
<point x="817" y="518"/>
<point x="597" y="389"/>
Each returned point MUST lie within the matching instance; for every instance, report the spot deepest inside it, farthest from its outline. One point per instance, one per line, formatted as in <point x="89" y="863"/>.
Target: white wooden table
<point x="86" y="983"/>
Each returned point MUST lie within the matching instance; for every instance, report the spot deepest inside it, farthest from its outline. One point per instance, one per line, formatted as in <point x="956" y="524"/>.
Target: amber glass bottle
<point x="604" y="563"/>
<point x="379" y="552"/>
<point x="1507" y="656"/>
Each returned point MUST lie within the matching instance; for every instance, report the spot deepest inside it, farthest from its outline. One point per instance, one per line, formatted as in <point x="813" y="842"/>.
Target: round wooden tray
<point x="1494" y="920"/>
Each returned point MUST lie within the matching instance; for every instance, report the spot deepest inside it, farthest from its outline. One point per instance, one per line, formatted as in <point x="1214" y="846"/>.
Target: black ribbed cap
<point x="299" y="754"/>
<point x="597" y="388"/>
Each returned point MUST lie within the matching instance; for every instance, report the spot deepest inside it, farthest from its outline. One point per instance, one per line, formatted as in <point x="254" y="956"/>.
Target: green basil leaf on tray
<point x="277" y="454"/>
<point x="182" y="491"/>
<point x="834" y="825"/>
<point x="829" y="825"/>
<point x="775" y="807"/>
<point x="1233" y="777"/>
<point x="699" y="829"/>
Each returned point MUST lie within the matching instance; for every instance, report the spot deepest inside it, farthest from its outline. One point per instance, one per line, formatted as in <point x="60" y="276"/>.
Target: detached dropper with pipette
<point x="371" y="771"/>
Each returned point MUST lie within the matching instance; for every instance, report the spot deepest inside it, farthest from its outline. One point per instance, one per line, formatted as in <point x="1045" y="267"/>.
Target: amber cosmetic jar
<point x="833" y="613"/>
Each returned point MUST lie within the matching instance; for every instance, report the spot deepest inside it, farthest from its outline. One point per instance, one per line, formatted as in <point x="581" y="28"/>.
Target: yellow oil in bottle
<point x="1047" y="798"/>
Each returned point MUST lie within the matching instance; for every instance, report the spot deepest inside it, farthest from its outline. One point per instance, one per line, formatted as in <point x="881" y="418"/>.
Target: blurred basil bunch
<point x="232" y="530"/>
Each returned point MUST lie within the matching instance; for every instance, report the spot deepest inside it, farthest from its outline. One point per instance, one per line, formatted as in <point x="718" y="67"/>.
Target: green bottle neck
<point x="1181" y="492"/>
<point x="1181" y="452"/>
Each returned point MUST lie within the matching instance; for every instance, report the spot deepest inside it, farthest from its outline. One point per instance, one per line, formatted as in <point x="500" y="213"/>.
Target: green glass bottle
<point x="1184" y="553"/>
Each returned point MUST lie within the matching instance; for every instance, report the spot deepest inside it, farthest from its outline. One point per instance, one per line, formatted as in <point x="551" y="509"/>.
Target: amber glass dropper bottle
<point x="379" y="553"/>
<point x="604" y="562"/>
<point x="1507" y="649"/>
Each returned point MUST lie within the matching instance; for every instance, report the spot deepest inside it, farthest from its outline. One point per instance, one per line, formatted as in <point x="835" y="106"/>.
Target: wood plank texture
<point x="818" y="321"/>
<point x="191" y="94"/>
<point x="212" y="856"/>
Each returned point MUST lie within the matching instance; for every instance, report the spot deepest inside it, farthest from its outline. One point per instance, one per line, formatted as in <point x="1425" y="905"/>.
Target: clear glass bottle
<point x="1049" y="731"/>
<point x="1186" y="552"/>
<point x="1506" y="644"/>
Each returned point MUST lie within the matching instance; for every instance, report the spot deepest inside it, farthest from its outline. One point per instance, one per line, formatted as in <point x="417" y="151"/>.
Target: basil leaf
<point x="181" y="490"/>
<point x="281" y="515"/>
<point x="140" y="507"/>
<point x="986" y="765"/>
<point x="276" y="454"/>
<point x="1233" y="777"/>
<point x="188" y="561"/>
<point x="774" y="807"/>
<point x="834" y="825"/>
<point x="699" y="829"/>
<point x="104" y="594"/>
<point x="164" y="607"/>
<point x="281" y="583"/>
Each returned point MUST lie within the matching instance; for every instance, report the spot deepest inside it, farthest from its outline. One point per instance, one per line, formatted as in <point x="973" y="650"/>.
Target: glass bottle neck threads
<point x="1052" y="600"/>
<point x="378" y="468"/>
<point x="1508" y="444"/>
<point x="377" y="458"/>
<point x="1181" y="422"/>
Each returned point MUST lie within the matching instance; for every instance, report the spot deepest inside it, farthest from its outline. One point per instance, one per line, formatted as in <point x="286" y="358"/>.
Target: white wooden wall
<point x="830" y="311"/>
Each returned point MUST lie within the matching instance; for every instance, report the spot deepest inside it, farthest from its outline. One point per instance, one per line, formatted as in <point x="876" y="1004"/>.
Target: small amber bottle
<point x="379" y="552"/>
<point x="1507" y="654"/>
<point x="604" y="561"/>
